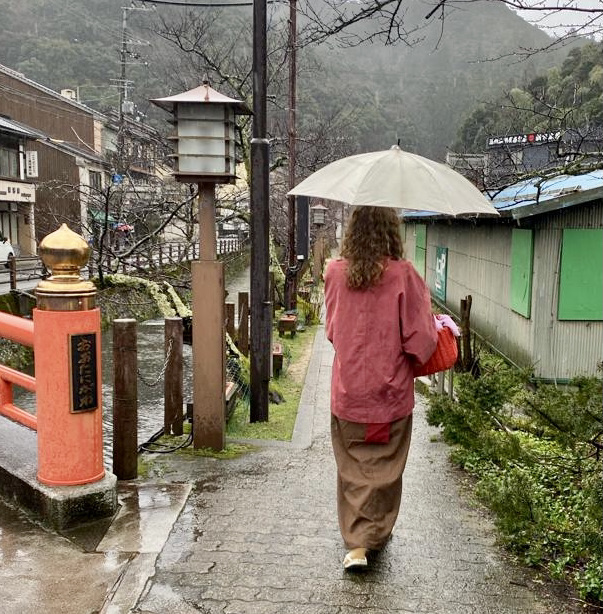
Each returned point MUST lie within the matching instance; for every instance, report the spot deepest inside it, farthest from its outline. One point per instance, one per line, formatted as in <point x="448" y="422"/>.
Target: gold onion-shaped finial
<point x="64" y="253"/>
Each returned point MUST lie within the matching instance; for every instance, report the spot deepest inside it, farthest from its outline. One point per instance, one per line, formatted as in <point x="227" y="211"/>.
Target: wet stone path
<point x="259" y="535"/>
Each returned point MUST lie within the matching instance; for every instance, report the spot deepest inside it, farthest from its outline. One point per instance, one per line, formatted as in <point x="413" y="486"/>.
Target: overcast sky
<point x="560" y="22"/>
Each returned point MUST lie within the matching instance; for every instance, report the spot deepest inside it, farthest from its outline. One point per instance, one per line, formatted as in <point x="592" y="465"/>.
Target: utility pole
<point x="291" y="276"/>
<point x="123" y="88"/>
<point x="123" y="82"/>
<point x="261" y="307"/>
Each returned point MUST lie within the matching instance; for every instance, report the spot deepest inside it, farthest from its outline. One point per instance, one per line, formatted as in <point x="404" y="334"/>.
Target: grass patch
<point x="281" y="416"/>
<point x="169" y="442"/>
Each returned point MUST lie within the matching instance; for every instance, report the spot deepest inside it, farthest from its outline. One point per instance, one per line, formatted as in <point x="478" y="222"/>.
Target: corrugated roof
<point x="536" y="196"/>
<point x="42" y="88"/>
<point x="9" y="125"/>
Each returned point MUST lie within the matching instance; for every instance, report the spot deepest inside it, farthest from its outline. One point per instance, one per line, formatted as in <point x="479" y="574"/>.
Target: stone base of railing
<point x="60" y="507"/>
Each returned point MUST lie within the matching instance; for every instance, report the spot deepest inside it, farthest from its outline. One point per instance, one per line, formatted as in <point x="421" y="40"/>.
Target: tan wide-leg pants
<point x="369" y="481"/>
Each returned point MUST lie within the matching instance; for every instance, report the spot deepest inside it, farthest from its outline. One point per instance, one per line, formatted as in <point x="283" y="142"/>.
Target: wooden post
<point x="466" y="355"/>
<point x="243" y="327"/>
<point x="272" y="291"/>
<point x="12" y="265"/>
<point x="441" y="382"/>
<point x="209" y="375"/>
<point x="230" y="320"/>
<point x="125" y="400"/>
<point x="172" y="381"/>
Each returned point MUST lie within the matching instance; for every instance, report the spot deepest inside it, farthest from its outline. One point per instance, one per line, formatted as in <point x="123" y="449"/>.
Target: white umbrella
<point x="395" y="178"/>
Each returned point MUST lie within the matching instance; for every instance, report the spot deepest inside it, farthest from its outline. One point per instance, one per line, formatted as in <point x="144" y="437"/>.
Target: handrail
<point x="15" y="328"/>
<point x="20" y="330"/>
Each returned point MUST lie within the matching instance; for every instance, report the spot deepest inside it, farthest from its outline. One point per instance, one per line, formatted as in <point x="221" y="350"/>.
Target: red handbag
<point x="444" y="357"/>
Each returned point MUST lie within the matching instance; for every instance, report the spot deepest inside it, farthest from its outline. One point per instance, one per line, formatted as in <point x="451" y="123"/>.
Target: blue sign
<point x="117" y="179"/>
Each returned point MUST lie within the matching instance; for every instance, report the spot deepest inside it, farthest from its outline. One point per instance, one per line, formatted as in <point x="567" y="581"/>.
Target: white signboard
<point x="31" y="164"/>
<point x="16" y="192"/>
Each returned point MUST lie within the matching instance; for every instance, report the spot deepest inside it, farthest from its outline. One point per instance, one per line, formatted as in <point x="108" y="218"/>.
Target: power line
<point x="207" y="4"/>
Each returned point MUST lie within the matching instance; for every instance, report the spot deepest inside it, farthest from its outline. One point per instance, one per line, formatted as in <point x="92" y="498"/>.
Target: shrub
<point x="536" y="455"/>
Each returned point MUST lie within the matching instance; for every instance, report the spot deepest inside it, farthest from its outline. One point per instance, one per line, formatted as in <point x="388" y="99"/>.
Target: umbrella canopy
<point x="395" y="178"/>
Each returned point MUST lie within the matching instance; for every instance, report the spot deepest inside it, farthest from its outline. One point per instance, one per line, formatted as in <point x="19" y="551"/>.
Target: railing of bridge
<point x="19" y="330"/>
<point x="25" y="273"/>
<point x="165" y="254"/>
<point x="21" y="273"/>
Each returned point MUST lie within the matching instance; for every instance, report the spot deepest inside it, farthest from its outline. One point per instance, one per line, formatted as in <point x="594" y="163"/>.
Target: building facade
<point x="18" y="171"/>
<point x="535" y="274"/>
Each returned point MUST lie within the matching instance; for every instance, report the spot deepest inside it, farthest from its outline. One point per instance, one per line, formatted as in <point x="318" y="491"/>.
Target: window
<point x="96" y="182"/>
<point x="420" y="248"/>
<point x="581" y="276"/>
<point x="9" y="162"/>
<point x="522" y="254"/>
<point x="516" y="157"/>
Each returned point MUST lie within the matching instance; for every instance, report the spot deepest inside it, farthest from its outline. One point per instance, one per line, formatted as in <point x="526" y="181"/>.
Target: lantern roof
<point x="202" y="94"/>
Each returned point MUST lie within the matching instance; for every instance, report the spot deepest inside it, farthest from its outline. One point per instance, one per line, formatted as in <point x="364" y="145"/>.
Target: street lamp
<point x="319" y="219"/>
<point x="319" y="215"/>
<point x="204" y="150"/>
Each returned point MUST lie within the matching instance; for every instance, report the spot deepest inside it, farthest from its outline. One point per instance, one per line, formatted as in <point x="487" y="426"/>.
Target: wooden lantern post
<point x="205" y="154"/>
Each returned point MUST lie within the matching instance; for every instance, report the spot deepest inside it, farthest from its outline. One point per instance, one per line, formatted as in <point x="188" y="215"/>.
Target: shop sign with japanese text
<point x="533" y="138"/>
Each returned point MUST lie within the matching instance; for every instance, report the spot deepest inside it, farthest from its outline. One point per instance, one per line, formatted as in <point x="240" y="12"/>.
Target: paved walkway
<point x="259" y="535"/>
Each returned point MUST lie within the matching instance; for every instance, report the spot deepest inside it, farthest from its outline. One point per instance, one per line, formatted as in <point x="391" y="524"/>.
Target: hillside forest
<point x="437" y="89"/>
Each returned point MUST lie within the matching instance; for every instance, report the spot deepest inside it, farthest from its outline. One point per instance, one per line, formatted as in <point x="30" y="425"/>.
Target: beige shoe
<point x="355" y="559"/>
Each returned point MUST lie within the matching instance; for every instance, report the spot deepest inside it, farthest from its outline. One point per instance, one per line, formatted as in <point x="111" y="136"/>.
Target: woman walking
<point x="380" y="323"/>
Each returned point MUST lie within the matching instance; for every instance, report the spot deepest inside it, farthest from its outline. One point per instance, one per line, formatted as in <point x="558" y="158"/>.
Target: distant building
<point x="513" y="155"/>
<point x="471" y="166"/>
<point x="18" y="173"/>
<point x="68" y="148"/>
<point x="80" y="152"/>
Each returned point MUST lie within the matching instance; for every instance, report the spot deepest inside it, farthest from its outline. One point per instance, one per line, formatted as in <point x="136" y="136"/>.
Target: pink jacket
<point x="377" y="335"/>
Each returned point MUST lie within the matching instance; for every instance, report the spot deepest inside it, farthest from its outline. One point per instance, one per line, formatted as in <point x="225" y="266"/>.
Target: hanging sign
<point x="31" y="164"/>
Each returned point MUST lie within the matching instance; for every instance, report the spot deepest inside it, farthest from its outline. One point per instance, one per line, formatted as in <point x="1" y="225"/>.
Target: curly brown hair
<point x="372" y="235"/>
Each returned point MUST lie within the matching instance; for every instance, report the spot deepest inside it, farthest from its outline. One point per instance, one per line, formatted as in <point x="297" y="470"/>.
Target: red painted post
<point x="67" y="356"/>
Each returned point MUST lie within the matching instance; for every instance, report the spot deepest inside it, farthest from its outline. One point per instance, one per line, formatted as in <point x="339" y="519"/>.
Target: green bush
<point x="536" y="456"/>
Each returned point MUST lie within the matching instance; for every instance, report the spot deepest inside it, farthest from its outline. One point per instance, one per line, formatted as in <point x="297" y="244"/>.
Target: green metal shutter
<point x="581" y="278"/>
<point x="522" y="255"/>
<point x="420" y="248"/>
